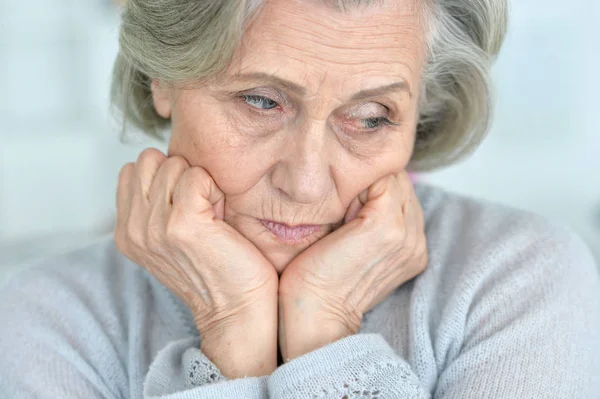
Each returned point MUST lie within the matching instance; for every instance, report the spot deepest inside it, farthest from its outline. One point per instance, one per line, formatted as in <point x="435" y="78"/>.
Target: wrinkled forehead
<point x="314" y="42"/>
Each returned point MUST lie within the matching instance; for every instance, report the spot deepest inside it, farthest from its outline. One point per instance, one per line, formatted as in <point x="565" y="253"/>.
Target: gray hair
<point x="189" y="40"/>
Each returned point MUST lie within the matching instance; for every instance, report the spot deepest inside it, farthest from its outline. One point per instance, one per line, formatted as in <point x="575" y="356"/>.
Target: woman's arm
<point x="533" y="326"/>
<point x="88" y="325"/>
<point x="52" y="344"/>
<point x="198" y="368"/>
<point x="182" y="371"/>
<point x="358" y="366"/>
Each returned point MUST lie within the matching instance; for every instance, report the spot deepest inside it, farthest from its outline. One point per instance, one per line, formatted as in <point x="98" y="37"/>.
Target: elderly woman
<point x="280" y="249"/>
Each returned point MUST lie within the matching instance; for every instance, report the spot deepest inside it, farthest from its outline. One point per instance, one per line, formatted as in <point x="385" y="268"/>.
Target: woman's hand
<point x="324" y="292"/>
<point x="170" y="221"/>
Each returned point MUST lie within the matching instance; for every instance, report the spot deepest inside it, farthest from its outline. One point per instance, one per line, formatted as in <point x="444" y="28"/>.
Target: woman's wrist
<point x="302" y="331"/>
<point x="247" y="347"/>
<point x="246" y="355"/>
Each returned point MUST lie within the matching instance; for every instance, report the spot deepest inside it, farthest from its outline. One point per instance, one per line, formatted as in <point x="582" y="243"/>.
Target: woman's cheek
<point x="353" y="175"/>
<point x="238" y="168"/>
<point x="234" y="180"/>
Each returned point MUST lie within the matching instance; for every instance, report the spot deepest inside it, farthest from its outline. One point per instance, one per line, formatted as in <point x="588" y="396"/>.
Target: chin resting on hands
<point x="170" y="221"/>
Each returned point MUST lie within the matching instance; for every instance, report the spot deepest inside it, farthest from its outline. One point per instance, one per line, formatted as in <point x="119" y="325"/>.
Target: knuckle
<point x="177" y="162"/>
<point x="194" y="180"/>
<point x="151" y="154"/>
<point x="173" y="168"/>
<point x="149" y="158"/>
<point x="126" y="171"/>
<point x="195" y="175"/>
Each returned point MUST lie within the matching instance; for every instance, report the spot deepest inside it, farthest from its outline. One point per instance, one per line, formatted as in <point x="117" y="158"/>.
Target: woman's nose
<point x="303" y="171"/>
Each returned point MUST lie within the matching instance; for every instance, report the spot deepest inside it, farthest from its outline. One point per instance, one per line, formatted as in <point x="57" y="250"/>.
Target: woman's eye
<point x="259" y="101"/>
<point x="374" y="123"/>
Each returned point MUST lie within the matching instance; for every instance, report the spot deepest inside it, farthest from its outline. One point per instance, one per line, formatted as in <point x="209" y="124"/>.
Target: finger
<point x="372" y="200"/>
<point x="419" y="213"/>
<point x="123" y="202"/>
<point x="415" y="235"/>
<point x="393" y="188"/>
<point x="123" y="190"/>
<point x="165" y="180"/>
<point x="413" y="202"/>
<point x="353" y="209"/>
<point x="381" y="199"/>
<point x="422" y="236"/>
<point x="127" y="234"/>
<point x="379" y="188"/>
<point x="197" y="192"/>
<point x="147" y="164"/>
<point x="161" y="193"/>
<point x="411" y="223"/>
<point x="409" y="204"/>
<point x="363" y="196"/>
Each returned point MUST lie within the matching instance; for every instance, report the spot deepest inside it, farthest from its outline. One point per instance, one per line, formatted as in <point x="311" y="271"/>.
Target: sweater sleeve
<point x="532" y="331"/>
<point x="357" y="366"/>
<point x="182" y="371"/>
<point x="51" y="344"/>
<point x="61" y="336"/>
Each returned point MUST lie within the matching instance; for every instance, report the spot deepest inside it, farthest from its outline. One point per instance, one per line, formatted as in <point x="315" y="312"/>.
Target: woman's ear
<point x="161" y="96"/>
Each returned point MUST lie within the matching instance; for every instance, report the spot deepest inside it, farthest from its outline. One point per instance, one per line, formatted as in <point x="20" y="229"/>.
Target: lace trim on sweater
<point x="202" y="372"/>
<point x="364" y="386"/>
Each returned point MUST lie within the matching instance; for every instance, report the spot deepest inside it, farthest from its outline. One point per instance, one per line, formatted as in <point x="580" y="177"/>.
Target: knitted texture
<point x="508" y="307"/>
<point x="202" y="371"/>
<point x="359" y="366"/>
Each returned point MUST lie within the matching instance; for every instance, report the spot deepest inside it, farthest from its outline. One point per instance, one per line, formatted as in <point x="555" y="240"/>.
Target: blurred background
<point x="60" y="152"/>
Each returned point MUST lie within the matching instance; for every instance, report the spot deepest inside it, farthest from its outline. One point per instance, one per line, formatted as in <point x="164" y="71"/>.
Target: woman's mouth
<point x="292" y="234"/>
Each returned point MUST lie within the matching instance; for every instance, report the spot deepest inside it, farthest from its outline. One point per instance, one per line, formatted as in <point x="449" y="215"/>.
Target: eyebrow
<point x="401" y="86"/>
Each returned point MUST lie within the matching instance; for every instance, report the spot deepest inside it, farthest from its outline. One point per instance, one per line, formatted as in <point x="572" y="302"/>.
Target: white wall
<point x="543" y="152"/>
<point x="60" y="155"/>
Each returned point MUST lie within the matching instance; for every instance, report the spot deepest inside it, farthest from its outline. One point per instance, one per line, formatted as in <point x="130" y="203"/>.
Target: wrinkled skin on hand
<point x="170" y="221"/>
<point x="324" y="292"/>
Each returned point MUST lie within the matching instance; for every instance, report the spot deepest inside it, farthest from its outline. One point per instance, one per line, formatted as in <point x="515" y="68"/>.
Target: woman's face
<point x="299" y="124"/>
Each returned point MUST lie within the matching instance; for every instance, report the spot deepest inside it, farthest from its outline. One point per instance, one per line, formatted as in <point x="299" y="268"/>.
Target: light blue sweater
<point x="508" y="307"/>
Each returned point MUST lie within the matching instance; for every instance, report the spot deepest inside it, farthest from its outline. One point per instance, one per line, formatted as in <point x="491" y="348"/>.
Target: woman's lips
<point x="292" y="234"/>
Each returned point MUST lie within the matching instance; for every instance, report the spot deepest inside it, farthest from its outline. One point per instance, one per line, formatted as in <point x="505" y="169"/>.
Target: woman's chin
<point x="279" y="253"/>
<point x="279" y="260"/>
<point x="278" y="249"/>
